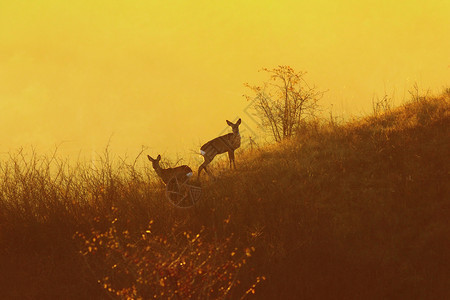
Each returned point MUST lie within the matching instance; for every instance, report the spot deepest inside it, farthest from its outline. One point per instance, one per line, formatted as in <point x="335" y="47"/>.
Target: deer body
<point x="181" y="172"/>
<point x="225" y="143"/>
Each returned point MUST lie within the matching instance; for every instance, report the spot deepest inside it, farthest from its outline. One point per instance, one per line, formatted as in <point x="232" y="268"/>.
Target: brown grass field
<point x="359" y="210"/>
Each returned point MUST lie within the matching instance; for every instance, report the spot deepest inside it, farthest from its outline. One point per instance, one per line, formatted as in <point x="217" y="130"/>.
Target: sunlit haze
<point x="167" y="74"/>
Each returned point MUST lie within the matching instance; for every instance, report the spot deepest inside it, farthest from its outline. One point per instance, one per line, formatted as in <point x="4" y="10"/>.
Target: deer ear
<point x="150" y="158"/>
<point x="238" y="122"/>
<point x="229" y="123"/>
<point x="158" y="158"/>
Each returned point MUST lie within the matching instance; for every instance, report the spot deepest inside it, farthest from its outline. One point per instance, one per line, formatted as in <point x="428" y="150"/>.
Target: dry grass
<point x="360" y="210"/>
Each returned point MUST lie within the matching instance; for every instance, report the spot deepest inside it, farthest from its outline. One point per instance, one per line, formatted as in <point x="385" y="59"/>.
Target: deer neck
<point x="159" y="171"/>
<point x="235" y="140"/>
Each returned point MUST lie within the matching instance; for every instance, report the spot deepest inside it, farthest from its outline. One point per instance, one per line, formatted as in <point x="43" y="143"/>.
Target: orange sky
<point x="166" y="74"/>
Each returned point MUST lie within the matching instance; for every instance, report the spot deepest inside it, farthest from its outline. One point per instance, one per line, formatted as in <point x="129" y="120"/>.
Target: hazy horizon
<point x="168" y="75"/>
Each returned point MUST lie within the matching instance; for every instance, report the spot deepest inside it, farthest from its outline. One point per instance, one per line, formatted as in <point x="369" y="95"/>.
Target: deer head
<point x="235" y="127"/>
<point x="155" y="162"/>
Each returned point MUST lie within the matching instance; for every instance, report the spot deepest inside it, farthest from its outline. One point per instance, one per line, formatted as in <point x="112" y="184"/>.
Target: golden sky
<point x="166" y="74"/>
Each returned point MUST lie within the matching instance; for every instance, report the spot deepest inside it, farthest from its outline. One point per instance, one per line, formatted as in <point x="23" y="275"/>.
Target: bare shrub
<point x="284" y="102"/>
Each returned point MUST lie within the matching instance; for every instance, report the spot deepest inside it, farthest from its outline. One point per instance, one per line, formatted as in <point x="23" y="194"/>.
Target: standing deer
<point x="225" y="143"/>
<point x="181" y="172"/>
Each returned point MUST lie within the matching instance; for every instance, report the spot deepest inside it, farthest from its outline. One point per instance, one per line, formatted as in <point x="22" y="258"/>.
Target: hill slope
<point x="360" y="210"/>
<point x="356" y="210"/>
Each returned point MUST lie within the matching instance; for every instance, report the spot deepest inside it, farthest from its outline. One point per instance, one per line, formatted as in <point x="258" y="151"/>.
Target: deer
<point x="225" y="143"/>
<point x="181" y="172"/>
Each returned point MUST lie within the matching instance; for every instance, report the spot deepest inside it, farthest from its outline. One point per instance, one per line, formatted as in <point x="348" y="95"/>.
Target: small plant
<point x="381" y="106"/>
<point x="175" y="265"/>
<point x="417" y="95"/>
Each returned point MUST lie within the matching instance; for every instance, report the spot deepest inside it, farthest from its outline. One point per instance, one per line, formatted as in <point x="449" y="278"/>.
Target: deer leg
<point x="231" y="157"/>
<point x="209" y="174"/>
<point x="200" y="169"/>
<point x="203" y="166"/>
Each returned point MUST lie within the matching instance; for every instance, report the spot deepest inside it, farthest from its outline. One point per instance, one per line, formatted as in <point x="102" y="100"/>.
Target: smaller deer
<point x="181" y="172"/>
<point x="225" y="143"/>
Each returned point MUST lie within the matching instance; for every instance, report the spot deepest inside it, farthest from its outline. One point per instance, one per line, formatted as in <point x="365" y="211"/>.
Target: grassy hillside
<point x="360" y="210"/>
